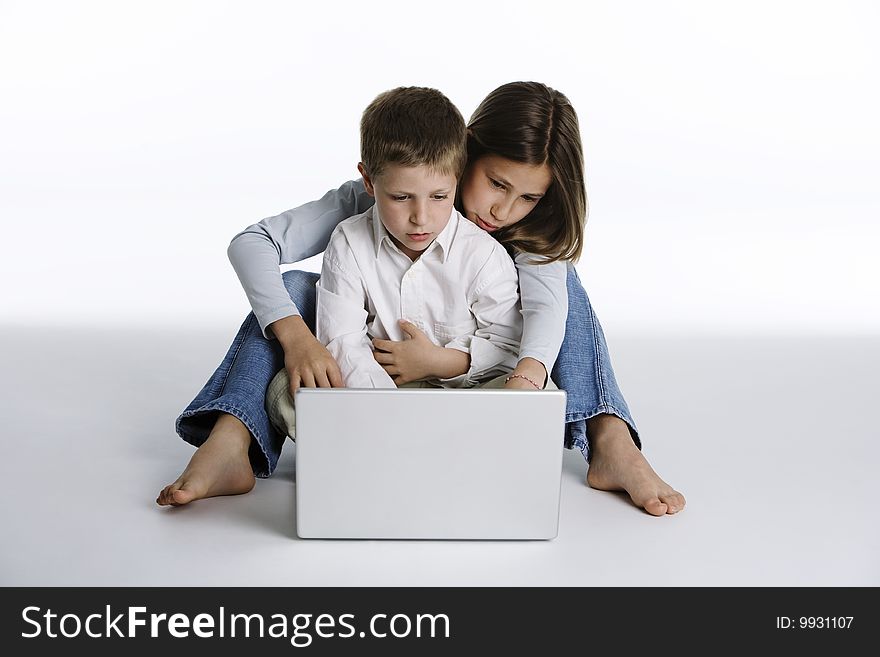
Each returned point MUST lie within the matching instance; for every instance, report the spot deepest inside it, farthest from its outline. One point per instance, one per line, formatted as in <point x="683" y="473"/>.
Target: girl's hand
<point x="412" y="359"/>
<point x="310" y="365"/>
<point x="307" y="361"/>
<point x="519" y="384"/>
<point x="533" y="370"/>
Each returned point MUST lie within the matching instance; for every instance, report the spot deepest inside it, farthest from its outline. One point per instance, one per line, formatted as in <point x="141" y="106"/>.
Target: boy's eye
<point x="399" y="198"/>
<point x="441" y="197"/>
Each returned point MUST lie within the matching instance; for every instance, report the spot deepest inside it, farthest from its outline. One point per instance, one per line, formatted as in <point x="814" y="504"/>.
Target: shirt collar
<point x="443" y="240"/>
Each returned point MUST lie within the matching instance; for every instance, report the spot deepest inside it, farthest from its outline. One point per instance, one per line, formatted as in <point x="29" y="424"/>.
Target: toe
<point x="675" y="501"/>
<point x="655" y="507"/>
<point x="181" y="496"/>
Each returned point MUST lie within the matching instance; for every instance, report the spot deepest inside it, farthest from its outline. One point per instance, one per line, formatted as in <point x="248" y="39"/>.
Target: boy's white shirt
<point x="303" y="232"/>
<point x="461" y="292"/>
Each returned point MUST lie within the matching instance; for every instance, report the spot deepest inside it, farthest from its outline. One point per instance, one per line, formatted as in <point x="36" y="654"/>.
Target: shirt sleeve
<point x="257" y="252"/>
<point x="544" y="298"/>
<point x="341" y="318"/>
<point x="494" y="346"/>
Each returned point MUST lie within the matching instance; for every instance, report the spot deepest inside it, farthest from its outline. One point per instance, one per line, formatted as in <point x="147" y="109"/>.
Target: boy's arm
<point x="300" y="233"/>
<point x="416" y="358"/>
<point x="341" y="318"/>
<point x="494" y="346"/>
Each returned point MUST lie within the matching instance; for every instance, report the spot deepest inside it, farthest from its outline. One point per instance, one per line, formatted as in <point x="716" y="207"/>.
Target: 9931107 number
<point x="814" y="622"/>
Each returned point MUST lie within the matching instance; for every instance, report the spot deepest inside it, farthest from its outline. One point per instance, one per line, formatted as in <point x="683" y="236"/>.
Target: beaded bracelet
<point x="522" y="376"/>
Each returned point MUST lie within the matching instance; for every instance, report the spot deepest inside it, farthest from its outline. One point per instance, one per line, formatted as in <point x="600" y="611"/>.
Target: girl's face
<point x="497" y="192"/>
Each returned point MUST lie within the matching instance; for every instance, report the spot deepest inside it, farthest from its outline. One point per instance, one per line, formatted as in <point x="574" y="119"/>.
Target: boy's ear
<point x="368" y="183"/>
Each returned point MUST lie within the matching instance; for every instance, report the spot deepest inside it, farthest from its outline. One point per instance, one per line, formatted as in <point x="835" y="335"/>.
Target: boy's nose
<point x="419" y="217"/>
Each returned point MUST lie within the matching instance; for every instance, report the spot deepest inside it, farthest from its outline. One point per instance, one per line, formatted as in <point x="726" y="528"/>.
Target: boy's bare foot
<point x="617" y="464"/>
<point x="219" y="467"/>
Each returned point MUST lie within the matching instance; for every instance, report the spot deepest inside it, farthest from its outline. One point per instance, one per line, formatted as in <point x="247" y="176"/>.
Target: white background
<point x="732" y="161"/>
<point x="731" y="148"/>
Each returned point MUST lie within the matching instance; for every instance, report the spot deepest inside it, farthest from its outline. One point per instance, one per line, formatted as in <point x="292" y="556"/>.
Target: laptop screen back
<point x="428" y="463"/>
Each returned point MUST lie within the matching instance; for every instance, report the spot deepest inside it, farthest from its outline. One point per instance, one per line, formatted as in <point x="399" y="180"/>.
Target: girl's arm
<point x="544" y="299"/>
<point x="257" y="252"/>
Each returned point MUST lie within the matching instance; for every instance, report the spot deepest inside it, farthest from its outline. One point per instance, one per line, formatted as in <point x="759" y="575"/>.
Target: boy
<point x="412" y="257"/>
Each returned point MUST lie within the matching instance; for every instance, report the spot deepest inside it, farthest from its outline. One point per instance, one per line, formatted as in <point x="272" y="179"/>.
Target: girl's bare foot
<point x="219" y="467"/>
<point x="617" y="464"/>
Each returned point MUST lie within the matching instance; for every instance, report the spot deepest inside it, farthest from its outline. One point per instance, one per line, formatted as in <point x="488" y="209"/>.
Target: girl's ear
<point x="368" y="183"/>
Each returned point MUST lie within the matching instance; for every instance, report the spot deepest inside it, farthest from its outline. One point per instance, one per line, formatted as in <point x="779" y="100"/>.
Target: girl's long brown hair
<point x="531" y="123"/>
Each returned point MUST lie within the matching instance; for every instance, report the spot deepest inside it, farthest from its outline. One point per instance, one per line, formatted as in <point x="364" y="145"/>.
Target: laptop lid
<point x="428" y="463"/>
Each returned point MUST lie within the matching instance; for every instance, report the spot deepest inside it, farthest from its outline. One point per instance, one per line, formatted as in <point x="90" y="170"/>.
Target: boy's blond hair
<point x="413" y="126"/>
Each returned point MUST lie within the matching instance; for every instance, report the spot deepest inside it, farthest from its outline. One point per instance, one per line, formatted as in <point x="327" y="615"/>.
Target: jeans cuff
<point x="262" y="469"/>
<point x="576" y="434"/>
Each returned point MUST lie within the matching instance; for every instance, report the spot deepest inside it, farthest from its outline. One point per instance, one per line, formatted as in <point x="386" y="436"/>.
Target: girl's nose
<point x="501" y="212"/>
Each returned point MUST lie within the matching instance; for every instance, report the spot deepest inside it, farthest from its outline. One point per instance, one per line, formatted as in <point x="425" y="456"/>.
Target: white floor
<point x="772" y="441"/>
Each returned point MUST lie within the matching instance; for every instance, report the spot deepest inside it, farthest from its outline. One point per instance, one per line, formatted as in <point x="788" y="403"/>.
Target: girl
<point x="524" y="183"/>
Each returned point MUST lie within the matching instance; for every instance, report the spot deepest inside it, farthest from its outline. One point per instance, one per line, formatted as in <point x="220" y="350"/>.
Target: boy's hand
<point x="412" y="359"/>
<point x="307" y="361"/>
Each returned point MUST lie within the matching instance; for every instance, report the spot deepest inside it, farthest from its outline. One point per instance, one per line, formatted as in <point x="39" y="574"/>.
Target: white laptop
<point x="428" y="463"/>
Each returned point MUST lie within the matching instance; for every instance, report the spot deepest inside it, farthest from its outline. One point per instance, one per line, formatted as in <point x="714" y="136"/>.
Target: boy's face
<point x="414" y="204"/>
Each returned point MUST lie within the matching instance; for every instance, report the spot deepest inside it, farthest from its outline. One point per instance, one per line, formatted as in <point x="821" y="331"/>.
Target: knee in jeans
<point x="296" y="281"/>
<point x="301" y="288"/>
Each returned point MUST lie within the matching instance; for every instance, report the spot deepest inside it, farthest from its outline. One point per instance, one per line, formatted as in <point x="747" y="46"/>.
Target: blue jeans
<point x="238" y="386"/>
<point x="583" y="369"/>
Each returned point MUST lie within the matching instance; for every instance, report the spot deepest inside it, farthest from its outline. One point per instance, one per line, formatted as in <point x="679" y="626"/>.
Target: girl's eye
<point x="496" y="184"/>
<point x="530" y="199"/>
